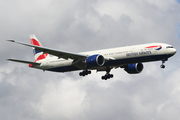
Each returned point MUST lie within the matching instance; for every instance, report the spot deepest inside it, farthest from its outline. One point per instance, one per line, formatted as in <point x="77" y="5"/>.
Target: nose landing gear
<point x="163" y="61"/>
<point x="162" y="66"/>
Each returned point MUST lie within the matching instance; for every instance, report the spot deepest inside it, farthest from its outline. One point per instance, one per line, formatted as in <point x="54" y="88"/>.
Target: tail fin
<point x="37" y="54"/>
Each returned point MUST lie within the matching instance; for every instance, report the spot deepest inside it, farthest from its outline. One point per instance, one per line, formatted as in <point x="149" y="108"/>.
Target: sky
<point x="77" y="26"/>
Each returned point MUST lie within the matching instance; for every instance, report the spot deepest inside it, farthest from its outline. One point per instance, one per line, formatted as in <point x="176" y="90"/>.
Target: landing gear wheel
<point x="111" y="75"/>
<point x="162" y="66"/>
<point x="89" y="72"/>
<point x="80" y="74"/>
<point x="107" y="76"/>
<point x="84" y="73"/>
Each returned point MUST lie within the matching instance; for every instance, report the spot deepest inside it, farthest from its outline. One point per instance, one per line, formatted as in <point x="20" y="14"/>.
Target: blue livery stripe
<point x="159" y="48"/>
<point x="36" y="51"/>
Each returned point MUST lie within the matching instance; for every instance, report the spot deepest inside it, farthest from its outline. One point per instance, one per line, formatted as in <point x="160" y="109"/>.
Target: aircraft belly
<point x="139" y="59"/>
<point x="63" y="69"/>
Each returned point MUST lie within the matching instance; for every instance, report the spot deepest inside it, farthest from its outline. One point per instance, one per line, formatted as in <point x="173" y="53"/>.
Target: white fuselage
<point x="118" y="57"/>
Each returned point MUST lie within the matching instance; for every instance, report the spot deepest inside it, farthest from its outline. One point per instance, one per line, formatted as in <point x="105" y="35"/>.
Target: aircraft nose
<point x="174" y="51"/>
<point x="171" y="51"/>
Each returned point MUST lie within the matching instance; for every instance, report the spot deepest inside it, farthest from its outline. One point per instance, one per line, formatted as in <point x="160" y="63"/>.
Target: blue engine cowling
<point x="95" y="60"/>
<point x="134" y="68"/>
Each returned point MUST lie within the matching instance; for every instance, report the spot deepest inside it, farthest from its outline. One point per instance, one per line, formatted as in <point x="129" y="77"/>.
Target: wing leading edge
<point x="60" y="54"/>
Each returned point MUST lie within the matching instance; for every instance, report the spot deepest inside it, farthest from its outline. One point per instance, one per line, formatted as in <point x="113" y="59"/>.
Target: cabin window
<point x="169" y="47"/>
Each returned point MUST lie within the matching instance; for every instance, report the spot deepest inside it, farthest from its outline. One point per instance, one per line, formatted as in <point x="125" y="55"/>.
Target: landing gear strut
<point x="163" y="61"/>
<point x="107" y="75"/>
<point x="84" y="73"/>
<point x="162" y="66"/>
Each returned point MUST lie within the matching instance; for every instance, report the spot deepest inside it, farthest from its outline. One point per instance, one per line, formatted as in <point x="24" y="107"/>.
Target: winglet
<point x="11" y="40"/>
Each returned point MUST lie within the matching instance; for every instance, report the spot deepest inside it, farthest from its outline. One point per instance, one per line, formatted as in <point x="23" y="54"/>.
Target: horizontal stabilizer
<point x="11" y="40"/>
<point x="22" y="61"/>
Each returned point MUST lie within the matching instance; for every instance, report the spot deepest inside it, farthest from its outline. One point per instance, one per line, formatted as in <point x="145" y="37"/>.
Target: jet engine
<point x="95" y="60"/>
<point x="134" y="68"/>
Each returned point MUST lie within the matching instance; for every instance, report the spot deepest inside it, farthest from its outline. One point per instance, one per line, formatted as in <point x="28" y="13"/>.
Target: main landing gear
<point x="107" y="75"/>
<point x="84" y="73"/>
<point x="163" y="61"/>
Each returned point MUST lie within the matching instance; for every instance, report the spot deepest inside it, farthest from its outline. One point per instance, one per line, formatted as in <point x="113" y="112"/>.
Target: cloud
<point x="88" y="25"/>
<point x="63" y="99"/>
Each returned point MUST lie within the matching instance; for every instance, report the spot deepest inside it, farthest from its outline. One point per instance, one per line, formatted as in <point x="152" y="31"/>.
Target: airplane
<point x="130" y="58"/>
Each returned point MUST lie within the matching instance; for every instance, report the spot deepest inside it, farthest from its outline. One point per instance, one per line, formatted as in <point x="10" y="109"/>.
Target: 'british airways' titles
<point x="138" y="53"/>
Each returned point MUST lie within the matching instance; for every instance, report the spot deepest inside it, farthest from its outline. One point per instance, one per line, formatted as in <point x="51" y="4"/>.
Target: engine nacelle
<point x="95" y="60"/>
<point x="134" y="68"/>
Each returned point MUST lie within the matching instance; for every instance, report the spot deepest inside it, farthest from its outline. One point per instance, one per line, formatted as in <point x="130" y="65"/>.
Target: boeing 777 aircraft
<point x="129" y="58"/>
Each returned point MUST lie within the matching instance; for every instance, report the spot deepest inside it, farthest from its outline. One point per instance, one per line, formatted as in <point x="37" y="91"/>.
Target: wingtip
<point x="9" y="59"/>
<point x="11" y="40"/>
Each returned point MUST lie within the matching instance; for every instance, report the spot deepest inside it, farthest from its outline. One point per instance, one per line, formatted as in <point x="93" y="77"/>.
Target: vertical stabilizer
<point x="37" y="54"/>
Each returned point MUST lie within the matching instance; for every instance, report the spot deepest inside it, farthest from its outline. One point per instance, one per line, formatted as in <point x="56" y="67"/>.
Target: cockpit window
<point x="169" y="47"/>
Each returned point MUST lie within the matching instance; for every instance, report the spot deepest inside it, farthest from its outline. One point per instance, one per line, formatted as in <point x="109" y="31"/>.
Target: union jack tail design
<point x="37" y="54"/>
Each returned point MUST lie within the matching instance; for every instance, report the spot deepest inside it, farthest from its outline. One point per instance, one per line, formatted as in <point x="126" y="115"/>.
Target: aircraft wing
<point x="60" y="54"/>
<point x="22" y="61"/>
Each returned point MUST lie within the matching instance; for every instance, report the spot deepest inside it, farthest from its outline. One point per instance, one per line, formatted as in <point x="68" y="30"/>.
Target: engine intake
<point x="134" y="68"/>
<point x="95" y="60"/>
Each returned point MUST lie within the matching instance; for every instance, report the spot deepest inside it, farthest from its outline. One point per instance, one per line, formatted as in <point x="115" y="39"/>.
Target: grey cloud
<point x="88" y="25"/>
